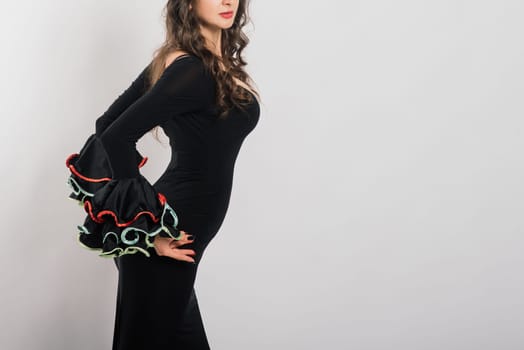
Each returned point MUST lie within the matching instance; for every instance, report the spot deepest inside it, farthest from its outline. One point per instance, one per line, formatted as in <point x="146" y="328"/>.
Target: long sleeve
<point x="123" y="101"/>
<point x="184" y="87"/>
<point x="124" y="211"/>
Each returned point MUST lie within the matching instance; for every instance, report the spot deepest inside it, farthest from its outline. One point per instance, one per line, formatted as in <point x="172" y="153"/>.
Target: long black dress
<point x="156" y="304"/>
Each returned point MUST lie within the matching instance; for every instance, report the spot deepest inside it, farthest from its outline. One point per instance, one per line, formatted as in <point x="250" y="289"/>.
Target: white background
<point x="378" y="204"/>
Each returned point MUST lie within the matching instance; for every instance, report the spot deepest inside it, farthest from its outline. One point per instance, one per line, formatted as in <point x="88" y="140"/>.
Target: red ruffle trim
<point x="98" y="217"/>
<point x="85" y="178"/>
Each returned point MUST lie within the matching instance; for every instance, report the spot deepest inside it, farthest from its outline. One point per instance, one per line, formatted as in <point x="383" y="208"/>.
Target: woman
<point x="195" y="89"/>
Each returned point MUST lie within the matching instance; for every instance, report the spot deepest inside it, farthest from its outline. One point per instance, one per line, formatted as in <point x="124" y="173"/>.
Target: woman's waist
<point x="196" y="181"/>
<point x="198" y="211"/>
<point x="194" y="193"/>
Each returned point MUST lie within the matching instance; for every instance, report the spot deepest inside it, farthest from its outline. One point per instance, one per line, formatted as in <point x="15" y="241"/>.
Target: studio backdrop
<point x="377" y="205"/>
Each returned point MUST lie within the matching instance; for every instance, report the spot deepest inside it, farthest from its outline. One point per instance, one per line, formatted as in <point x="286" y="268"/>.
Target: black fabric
<point x="90" y="168"/>
<point x="123" y="215"/>
<point x="183" y="91"/>
<point x="156" y="302"/>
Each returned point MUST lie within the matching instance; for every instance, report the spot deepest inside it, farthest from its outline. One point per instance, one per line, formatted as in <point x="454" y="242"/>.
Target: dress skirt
<point x="156" y="304"/>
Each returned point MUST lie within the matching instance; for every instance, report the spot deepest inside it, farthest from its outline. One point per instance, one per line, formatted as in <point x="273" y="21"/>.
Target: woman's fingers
<point x="184" y="251"/>
<point x="178" y="254"/>
<point x="186" y="238"/>
<point x="163" y="247"/>
<point x="181" y="254"/>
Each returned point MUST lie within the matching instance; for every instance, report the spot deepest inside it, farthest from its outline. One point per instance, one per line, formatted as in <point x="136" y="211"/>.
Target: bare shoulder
<point x="172" y="56"/>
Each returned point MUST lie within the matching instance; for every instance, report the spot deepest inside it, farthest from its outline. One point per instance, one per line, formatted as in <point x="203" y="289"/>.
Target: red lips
<point x="228" y="14"/>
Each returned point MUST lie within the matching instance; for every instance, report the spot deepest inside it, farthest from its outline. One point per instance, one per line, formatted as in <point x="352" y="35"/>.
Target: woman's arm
<point x="123" y="101"/>
<point x="125" y="213"/>
<point x="183" y="87"/>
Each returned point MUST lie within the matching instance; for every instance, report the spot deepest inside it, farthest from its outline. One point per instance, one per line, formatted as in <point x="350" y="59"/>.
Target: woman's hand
<point x="166" y="246"/>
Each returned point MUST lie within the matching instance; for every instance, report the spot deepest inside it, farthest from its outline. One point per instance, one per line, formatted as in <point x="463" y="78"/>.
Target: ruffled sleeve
<point x="124" y="211"/>
<point x="122" y="215"/>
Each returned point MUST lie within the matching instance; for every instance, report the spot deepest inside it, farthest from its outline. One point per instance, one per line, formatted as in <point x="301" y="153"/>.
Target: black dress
<point x="156" y="306"/>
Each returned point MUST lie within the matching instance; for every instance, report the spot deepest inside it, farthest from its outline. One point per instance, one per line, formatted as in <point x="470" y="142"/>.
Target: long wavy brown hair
<point x="183" y="33"/>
